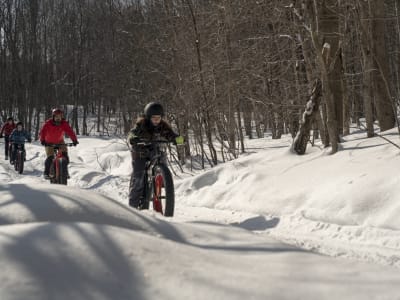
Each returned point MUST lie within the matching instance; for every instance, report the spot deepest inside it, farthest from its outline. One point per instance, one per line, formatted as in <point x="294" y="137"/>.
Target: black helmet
<point x="152" y="109"/>
<point x="10" y="119"/>
<point x="19" y="123"/>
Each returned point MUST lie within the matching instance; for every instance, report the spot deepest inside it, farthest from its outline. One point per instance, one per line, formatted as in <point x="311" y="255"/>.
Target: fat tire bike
<point x="19" y="156"/>
<point x="58" y="171"/>
<point x="159" y="184"/>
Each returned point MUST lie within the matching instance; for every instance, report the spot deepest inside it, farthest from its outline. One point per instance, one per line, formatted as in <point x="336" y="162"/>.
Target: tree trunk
<point x="365" y="32"/>
<point x="383" y="99"/>
<point x="328" y="57"/>
<point x="312" y="109"/>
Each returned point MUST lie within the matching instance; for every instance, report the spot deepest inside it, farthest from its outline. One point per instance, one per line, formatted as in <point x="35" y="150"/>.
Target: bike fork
<point x="158" y="181"/>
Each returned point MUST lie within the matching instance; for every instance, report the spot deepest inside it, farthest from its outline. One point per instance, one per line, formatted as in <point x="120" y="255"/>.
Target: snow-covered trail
<point x="262" y="193"/>
<point x="66" y="243"/>
<point x="237" y="231"/>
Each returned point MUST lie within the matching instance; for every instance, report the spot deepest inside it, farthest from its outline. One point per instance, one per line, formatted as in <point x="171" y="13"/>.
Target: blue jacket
<point x="20" y="136"/>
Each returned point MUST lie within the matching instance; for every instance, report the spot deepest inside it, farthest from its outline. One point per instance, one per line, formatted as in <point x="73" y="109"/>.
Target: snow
<point x="268" y="225"/>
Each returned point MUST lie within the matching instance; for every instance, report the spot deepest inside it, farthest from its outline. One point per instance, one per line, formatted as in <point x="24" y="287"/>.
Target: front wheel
<point x="20" y="162"/>
<point x="62" y="171"/>
<point x="163" y="191"/>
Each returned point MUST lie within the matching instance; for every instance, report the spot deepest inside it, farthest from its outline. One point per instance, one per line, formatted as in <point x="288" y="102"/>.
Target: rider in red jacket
<point x="6" y="130"/>
<point x="53" y="132"/>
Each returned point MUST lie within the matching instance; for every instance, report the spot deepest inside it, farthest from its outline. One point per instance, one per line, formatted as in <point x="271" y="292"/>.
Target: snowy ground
<point x="241" y="230"/>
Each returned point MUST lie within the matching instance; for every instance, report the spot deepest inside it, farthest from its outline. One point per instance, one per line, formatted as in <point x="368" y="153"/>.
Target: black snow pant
<point x="136" y="185"/>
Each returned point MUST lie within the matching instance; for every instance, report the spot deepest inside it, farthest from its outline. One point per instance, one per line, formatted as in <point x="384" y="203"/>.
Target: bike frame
<point x="154" y="181"/>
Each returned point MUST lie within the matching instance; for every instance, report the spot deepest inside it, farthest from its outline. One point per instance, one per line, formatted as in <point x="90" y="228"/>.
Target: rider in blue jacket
<point x="18" y="136"/>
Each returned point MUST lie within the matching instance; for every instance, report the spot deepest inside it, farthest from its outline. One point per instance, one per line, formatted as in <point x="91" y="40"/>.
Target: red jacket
<point x="7" y="128"/>
<point x="54" y="134"/>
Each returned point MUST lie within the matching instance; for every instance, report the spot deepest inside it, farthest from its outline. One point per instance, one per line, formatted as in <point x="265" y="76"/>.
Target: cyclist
<point x="52" y="132"/>
<point x="148" y="128"/>
<point x="18" y="136"/>
<point x="6" y="130"/>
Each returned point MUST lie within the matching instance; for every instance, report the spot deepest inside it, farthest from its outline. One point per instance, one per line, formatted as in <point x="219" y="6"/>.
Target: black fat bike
<point x="19" y="156"/>
<point x="58" y="172"/>
<point x="159" y="184"/>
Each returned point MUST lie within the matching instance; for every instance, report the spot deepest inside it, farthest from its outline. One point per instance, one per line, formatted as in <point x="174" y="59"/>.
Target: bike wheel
<point x="62" y="171"/>
<point x="15" y="161"/>
<point x="9" y="152"/>
<point x="163" y="191"/>
<point x="20" y="160"/>
<point x="52" y="172"/>
<point x="16" y="164"/>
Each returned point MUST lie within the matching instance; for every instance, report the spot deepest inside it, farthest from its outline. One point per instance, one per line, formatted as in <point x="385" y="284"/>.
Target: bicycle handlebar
<point x="60" y="145"/>
<point x="18" y="143"/>
<point x="150" y="143"/>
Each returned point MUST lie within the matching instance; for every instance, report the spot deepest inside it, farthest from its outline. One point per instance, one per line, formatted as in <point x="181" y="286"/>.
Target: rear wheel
<point x="10" y="149"/>
<point x="163" y="191"/>
<point x="52" y="172"/>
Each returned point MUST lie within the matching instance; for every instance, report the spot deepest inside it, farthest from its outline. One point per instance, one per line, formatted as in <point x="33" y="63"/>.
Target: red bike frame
<point x="59" y="156"/>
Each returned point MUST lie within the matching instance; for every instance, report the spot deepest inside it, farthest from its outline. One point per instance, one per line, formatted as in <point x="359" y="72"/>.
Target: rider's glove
<point x="179" y="140"/>
<point x="75" y="143"/>
<point x="29" y="141"/>
<point x="1" y="136"/>
<point x="133" y="141"/>
<point x="43" y="142"/>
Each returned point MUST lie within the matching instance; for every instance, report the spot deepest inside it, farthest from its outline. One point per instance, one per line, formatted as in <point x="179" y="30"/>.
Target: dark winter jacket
<point x="53" y="133"/>
<point x="145" y="131"/>
<point x="20" y="136"/>
<point x="7" y="128"/>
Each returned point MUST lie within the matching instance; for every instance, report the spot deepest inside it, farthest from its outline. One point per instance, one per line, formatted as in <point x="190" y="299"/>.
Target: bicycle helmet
<point x="152" y="109"/>
<point x="19" y="123"/>
<point x="56" y="111"/>
<point x="10" y="119"/>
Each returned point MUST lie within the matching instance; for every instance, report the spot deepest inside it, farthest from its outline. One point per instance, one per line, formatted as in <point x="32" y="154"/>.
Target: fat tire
<point x="16" y="162"/>
<point x="168" y="204"/>
<point x="62" y="165"/>
<point x="52" y="172"/>
<point x="20" y="162"/>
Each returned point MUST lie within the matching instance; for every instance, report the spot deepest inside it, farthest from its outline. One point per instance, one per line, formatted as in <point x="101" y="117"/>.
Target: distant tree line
<point x="223" y="69"/>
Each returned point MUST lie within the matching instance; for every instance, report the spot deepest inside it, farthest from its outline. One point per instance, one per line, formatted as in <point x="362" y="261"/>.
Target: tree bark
<point x="312" y="110"/>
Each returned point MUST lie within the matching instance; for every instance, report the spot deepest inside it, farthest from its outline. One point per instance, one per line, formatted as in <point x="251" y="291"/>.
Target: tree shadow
<point x="343" y="148"/>
<point x="258" y="223"/>
<point x="55" y="211"/>
<point x="46" y="258"/>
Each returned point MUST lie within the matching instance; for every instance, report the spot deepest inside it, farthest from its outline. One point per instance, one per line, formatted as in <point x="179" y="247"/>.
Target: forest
<point x="223" y="69"/>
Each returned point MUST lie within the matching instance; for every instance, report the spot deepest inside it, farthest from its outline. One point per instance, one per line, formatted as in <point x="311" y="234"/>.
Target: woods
<point x="223" y="69"/>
